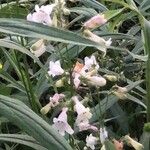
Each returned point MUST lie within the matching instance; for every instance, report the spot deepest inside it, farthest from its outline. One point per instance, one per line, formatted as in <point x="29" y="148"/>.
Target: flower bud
<point x="45" y="109"/>
<point x="60" y="82"/>
<point x="1" y="66"/>
<point x="110" y="77"/>
<point x="95" y="21"/>
<point x="133" y="143"/>
<point x="66" y="11"/>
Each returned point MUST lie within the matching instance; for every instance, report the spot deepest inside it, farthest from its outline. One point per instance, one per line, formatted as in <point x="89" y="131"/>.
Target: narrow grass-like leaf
<point x="30" y="29"/>
<point x="32" y="124"/>
<point x="147" y="49"/>
<point x="94" y="4"/>
<point x="4" y="75"/>
<point x="22" y="139"/>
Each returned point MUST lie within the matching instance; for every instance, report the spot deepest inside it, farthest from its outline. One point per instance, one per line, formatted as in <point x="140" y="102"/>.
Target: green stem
<point x="28" y="87"/>
<point x="148" y="88"/>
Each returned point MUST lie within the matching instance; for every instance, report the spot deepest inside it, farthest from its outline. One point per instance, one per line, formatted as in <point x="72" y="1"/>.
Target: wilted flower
<point x="120" y="92"/>
<point x="95" y="21"/>
<point x="41" y="14"/>
<point x="118" y="145"/>
<point x="61" y="123"/>
<point x="103" y="135"/>
<point x="91" y="141"/>
<point x="38" y="48"/>
<point x="84" y="114"/>
<point x="55" y="68"/>
<point x="86" y="126"/>
<point x="78" y="67"/>
<point x="132" y="142"/>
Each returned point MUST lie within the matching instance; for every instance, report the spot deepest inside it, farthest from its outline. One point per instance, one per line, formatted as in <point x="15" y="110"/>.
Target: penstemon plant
<point x="74" y="75"/>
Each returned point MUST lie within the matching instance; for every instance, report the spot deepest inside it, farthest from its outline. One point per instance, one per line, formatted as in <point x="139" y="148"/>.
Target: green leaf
<point x="105" y="104"/>
<point x="4" y="75"/>
<point x="94" y="4"/>
<point x="32" y="124"/>
<point x="140" y="57"/>
<point x="37" y="30"/>
<point x="109" y="14"/>
<point x="146" y="38"/>
<point x="22" y="139"/>
<point x="12" y="10"/>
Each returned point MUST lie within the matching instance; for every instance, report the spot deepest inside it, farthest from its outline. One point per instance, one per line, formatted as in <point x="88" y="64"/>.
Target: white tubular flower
<point x="55" y="68"/>
<point x="61" y="123"/>
<point x="38" y="48"/>
<point x="41" y="14"/>
<point x="56" y="98"/>
<point x="84" y="114"/>
<point x="103" y="135"/>
<point x="96" y="80"/>
<point x="103" y="44"/>
<point x="91" y="63"/>
<point x="91" y="141"/>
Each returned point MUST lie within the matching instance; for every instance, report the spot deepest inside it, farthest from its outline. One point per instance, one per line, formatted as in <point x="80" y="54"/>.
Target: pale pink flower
<point x="84" y="114"/>
<point x="41" y="14"/>
<point x="95" y="21"/>
<point x="61" y="123"/>
<point x="103" y="135"/>
<point x="56" y="98"/>
<point x="55" y="68"/>
<point x="91" y="141"/>
<point x="76" y="80"/>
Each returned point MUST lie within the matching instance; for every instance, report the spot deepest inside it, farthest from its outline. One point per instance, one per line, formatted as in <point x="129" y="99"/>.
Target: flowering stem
<point x="100" y="110"/>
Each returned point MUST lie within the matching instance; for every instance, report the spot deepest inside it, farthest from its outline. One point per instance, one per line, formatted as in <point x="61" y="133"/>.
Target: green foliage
<point x="25" y="86"/>
<point x="31" y="123"/>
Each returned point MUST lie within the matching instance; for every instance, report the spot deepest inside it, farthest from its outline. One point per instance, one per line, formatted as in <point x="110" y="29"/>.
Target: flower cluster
<point x="88" y="73"/>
